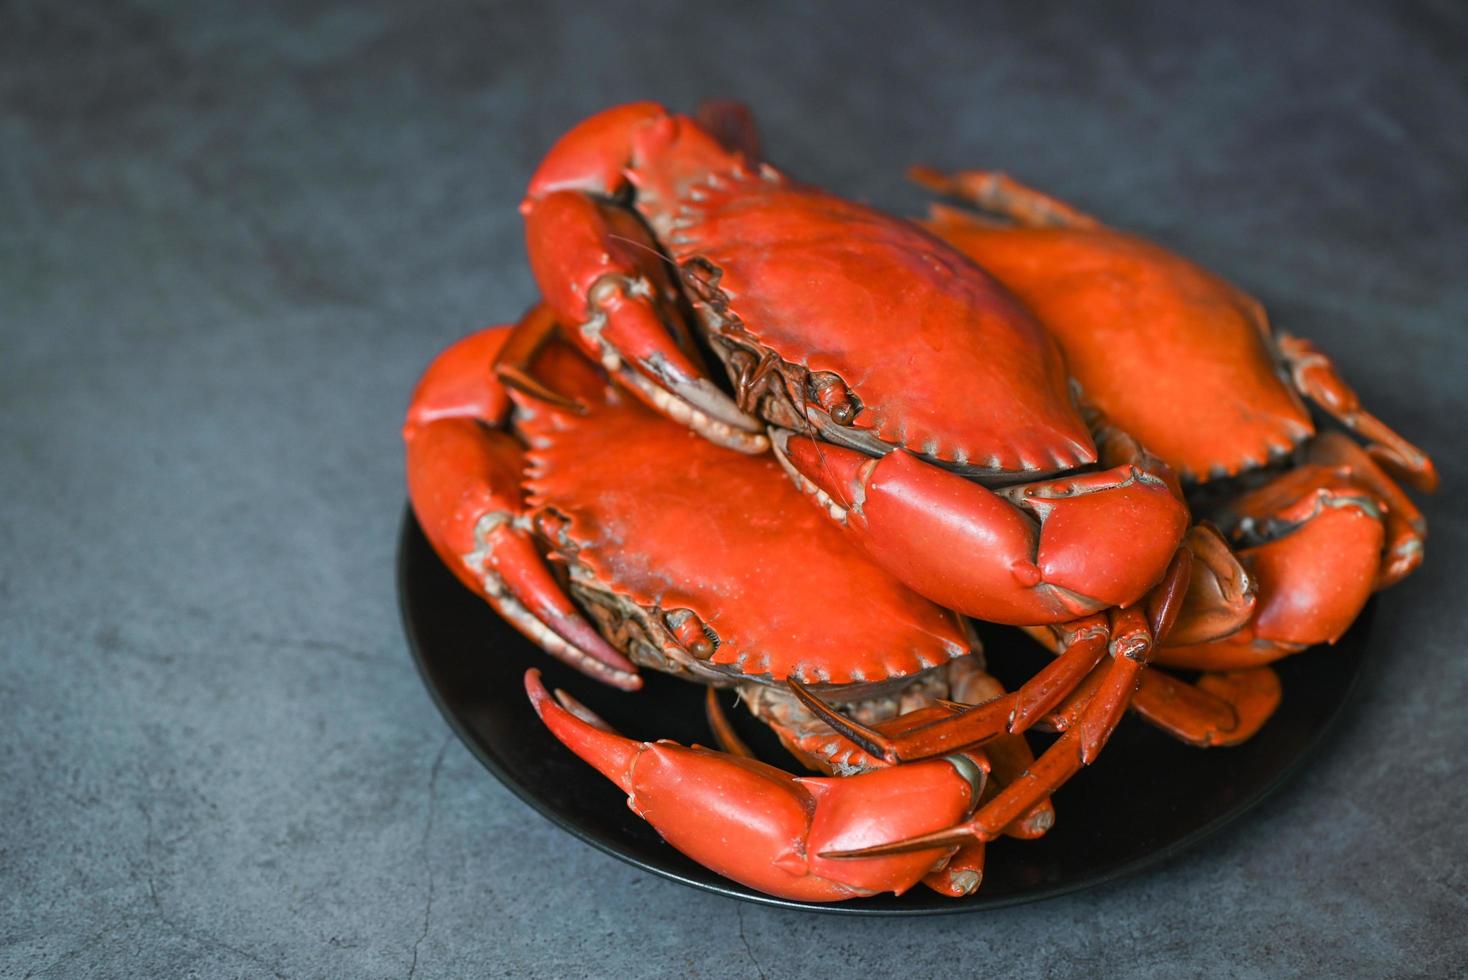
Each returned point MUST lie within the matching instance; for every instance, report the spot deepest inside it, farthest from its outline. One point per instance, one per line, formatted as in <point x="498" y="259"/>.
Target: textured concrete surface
<point x="231" y="235"/>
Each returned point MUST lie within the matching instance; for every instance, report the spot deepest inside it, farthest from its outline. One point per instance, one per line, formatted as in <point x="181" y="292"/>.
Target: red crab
<point x="708" y="563"/>
<point x="1319" y="522"/>
<point x="909" y="394"/>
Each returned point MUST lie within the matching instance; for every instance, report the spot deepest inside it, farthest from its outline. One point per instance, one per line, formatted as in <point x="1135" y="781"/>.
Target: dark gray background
<point x="231" y="236"/>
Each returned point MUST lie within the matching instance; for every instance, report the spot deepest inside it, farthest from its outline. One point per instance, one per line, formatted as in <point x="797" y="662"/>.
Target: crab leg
<point x="765" y="828"/>
<point x="600" y="270"/>
<point x="973" y="724"/>
<point x="1316" y="377"/>
<point x="464" y="485"/>
<point x="1219" y="709"/>
<point x="1077" y="747"/>
<point x="1001" y="194"/>
<point x="808" y="736"/>
<point x="1038" y="553"/>
<point x="1133" y="633"/>
<point x="962" y="874"/>
<point x="722" y="728"/>
<point x="1009" y="756"/>
<point x="1084" y="645"/>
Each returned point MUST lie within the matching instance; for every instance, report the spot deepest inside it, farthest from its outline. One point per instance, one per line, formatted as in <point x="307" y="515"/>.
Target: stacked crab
<point x="1008" y="412"/>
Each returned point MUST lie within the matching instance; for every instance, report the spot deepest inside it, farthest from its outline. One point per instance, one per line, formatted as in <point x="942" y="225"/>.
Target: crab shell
<point x="941" y="359"/>
<point x="1214" y="403"/>
<point x="655" y="523"/>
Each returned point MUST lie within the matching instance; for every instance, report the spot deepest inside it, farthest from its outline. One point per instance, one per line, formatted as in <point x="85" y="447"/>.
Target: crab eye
<point x="691" y="632"/>
<point x="838" y="401"/>
<point x="702" y="278"/>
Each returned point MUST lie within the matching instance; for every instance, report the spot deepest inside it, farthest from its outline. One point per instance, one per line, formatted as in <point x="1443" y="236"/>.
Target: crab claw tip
<point x="536" y="690"/>
<point x="951" y="837"/>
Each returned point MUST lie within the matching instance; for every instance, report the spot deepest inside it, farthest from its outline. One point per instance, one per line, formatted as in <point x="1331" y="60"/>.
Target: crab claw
<point x="1036" y="554"/>
<point x="1403" y="523"/>
<point x="1221" y="593"/>
<point x="1312" y="581"/>
<point x="464" y="485"/>
<point x="765" y="828"/>
<point x="606" y="277"/>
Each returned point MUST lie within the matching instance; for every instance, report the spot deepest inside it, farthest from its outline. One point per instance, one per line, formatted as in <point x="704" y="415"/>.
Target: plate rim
<point x="733" y="890"/>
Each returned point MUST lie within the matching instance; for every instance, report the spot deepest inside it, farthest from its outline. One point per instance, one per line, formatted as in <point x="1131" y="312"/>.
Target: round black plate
<point x="1147" y="799"/>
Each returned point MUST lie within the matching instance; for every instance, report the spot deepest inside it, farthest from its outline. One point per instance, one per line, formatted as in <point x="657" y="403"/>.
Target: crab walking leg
<point x="814" y="742"/>
<point x="1038" y="553"/>
<point x="599" y="269"/>
<point x="464" y="485"/>
<point x="1001" y="194"/>
<point x="1009" y="757"/>
<point x="1312" y="581"/>
<point x="1315" y="376"/>
<point x="962" y="874"/>
<point x="1133" y="631"/>
<point x="1217" y="710"/>
<point x="973" y="724"/>
<point x="765" y="828"/>
<point x="722" y="728"/>
<point x="1077" y="747"/>
<point x="1083" y="644"/>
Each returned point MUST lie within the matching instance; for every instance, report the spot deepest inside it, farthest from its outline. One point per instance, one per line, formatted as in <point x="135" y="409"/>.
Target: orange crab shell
<point x="896" y="313"/>
<point x="671" y="521"/>
<point x="1143" y="327"/>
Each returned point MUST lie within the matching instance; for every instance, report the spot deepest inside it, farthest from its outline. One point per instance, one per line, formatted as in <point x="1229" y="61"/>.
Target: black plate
<point x="1146" y="800"/>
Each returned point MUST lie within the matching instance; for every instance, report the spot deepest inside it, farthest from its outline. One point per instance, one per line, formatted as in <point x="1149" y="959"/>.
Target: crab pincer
<point x="1042" y="552"/>
<point x="464" y="482"/>
<point x="765" y="828"/>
